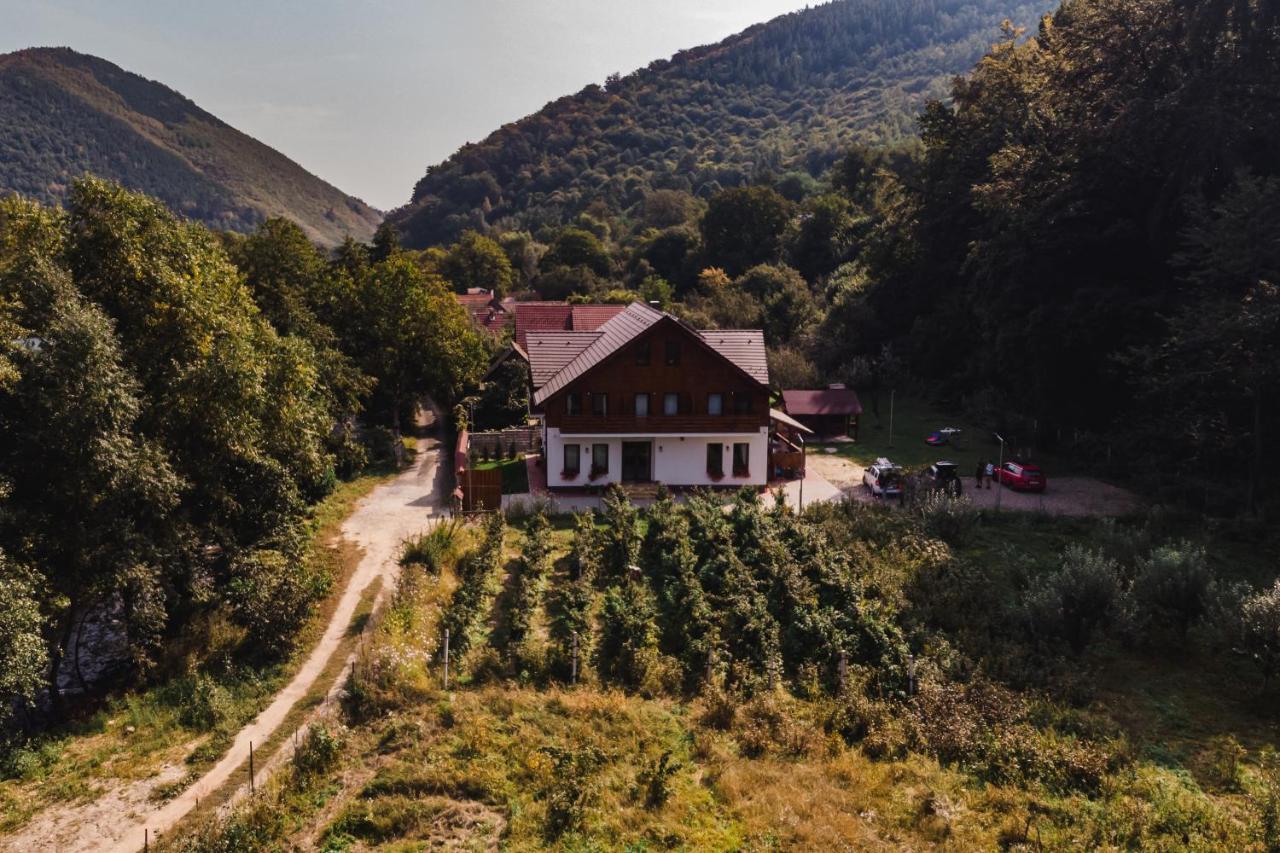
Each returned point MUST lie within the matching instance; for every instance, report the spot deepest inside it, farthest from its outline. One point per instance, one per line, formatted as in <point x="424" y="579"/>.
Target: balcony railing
<point x="657" y="424"/>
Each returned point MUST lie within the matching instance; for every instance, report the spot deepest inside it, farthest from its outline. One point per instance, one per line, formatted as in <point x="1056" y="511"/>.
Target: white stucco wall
<point x="678" y="460"/>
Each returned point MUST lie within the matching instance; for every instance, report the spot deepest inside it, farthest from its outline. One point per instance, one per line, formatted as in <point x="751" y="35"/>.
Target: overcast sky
<point x="368" y="93"/>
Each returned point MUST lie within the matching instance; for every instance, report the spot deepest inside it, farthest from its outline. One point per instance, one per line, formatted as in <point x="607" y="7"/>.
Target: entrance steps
<point x="640" y="491"/>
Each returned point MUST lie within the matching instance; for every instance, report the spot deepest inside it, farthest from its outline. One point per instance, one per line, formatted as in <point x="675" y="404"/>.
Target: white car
<point x="883" y="479"/>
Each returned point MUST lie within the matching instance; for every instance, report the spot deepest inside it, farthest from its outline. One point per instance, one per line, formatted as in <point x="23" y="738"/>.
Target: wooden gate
<point x="481" y="490"/>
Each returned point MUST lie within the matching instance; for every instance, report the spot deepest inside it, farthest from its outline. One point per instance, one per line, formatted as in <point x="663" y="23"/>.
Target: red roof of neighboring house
<point x="494" y="322"/>
<point x="828" y="401"/>
<point x="541" y="317"/>
<point x="588" y="318"/>
<point x="474" y="301"/>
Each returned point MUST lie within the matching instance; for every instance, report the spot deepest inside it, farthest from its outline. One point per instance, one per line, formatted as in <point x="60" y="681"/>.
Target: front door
<point x="637" y="461"/>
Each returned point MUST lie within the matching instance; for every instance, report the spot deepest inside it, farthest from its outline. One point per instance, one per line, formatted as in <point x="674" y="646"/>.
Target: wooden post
<point x="252" y="789"/>
<point x="146" y="840"/>
<point x="446" y="658"/>
<point x="573" y="672"/>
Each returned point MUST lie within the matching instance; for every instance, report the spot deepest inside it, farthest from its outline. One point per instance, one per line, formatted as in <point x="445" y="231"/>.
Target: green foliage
<point x="22" y="647"/>
<point x="477" y="572"/>
<point x="780" y="103"/>
<point x="744" y="227"/>
<point x="476" y="261"/>
<point x="1173" y="587"/>
<point x="571" y="790"/>
<point x="433" y="549"/>
<point x="1260" y="630"/>
<point x="628" y="644"/>
<point x="529" y="587"/>
<point x="68" y="114"/>
<point x="504" y="398"/>
<point x="1075" y="602"/>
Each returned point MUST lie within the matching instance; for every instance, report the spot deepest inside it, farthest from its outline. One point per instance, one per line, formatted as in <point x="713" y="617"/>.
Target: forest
<point x="1072" y="229"/>
<point x="173" y="402"/>
<point x="785" y="97"/>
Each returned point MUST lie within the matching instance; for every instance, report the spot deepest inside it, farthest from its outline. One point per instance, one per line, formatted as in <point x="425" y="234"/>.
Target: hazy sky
<point x="368" y="93"/>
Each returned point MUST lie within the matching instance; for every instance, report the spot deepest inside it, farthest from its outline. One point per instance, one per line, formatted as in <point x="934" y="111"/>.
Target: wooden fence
<point x="481" y="490"/>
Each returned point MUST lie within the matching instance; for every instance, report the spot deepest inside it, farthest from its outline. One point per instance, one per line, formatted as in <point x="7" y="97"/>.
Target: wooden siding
<point x="700" y="372"/>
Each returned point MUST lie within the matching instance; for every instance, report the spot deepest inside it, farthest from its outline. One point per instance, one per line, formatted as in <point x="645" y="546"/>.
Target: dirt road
<point x="380" y="523"/>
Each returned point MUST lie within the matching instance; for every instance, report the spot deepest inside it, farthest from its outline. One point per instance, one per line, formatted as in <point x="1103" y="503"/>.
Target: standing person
<point x="982" y="469"/>
<point x="991" y="474"/>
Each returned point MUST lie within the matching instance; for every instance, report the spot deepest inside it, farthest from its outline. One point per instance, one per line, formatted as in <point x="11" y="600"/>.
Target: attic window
<point x="643" y="352"/>
<point x="672" y="353"/>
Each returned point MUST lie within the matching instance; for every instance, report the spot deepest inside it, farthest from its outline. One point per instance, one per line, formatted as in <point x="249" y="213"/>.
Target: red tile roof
<point x="474" y="301"/>
<point x="540" y="317"/>
<point x="828" y="401"/>
<point x="588" y="318"/>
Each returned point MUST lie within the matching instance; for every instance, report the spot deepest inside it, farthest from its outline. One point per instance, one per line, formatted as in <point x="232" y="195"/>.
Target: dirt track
<point x="380" y="523"/>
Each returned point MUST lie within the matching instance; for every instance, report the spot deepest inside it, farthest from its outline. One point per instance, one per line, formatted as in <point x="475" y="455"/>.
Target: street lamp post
<point x="999" y="468"/>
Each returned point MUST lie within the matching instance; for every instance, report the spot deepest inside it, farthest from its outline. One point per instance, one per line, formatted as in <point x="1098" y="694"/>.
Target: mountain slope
<point x="64" y="113"/>
<point x="789" y="94"/>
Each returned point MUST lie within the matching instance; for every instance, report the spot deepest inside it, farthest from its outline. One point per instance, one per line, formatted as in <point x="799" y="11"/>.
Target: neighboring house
<point x="832" y="411"/>
<point x="489" y="313"/>
<point x="559" y="317"/>
<point x="645" y="398"/>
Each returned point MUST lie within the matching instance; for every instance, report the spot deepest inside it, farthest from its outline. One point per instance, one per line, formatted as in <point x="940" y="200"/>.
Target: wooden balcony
<point x="656" y="424"/>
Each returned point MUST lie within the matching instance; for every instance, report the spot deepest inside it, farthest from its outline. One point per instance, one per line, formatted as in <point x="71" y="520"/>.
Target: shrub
<point x="1172" y="587"/>
<point x="1265" y="799"/>
<point x="318" y="752"/>
<point x="770" y="723"/>
<point x="1260" y="631"/>
<point x="951" y="519"/>
<point x="653" y="782"/>
<point x="628" y="647"/>
<point x="434" y="548"/>
<point x="571" y="788"/>
<point x="202" y="703"/>
<point x="1222" y="762"/>
<point x="1074" y="602"/>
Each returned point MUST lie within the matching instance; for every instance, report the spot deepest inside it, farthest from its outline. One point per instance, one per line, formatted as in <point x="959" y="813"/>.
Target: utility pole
<point x="892" y="393"/>
<point x="999" y="468"/>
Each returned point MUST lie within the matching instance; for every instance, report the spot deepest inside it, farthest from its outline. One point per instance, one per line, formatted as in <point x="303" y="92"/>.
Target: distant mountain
<point x="63" y="114"/>
<point x="790" y="94"/>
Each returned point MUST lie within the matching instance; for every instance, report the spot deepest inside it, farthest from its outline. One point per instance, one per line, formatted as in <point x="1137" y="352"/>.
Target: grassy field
<point x="188" y="720"/>
<point x="913" y="419"/>
<point x="526" y="763"/>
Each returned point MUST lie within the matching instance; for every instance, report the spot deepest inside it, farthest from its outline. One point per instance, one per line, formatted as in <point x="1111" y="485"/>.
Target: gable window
<point x="572" y="461"/>
<point x="599" y="460"/>
<point x="715" y="459"/>
<point x="600" y="405"/>
<point x="742" y="403"/>
<point x="741" y="460"/>
<point x="670" y="404"/>
<point x="673" y="352"/>
<point x="642" y="405"/>
<point x="573" y="403"/>
<point x="715" y="404"/>
<point x="643" y="352"/>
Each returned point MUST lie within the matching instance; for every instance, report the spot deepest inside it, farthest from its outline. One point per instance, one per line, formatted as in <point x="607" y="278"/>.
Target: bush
<point x="653" y="782"/>
<point x="202" y="703"/>
<point x="571" y="788"/>
<point x="951" y="519"/>
<point x="1260" y="630"/>
<point x="318" y="752"/>
<point x="434" y="548"/>
<point x="1074" y="602"/>
<point x="770" y="723"/>
<point x="1172" y="587"/>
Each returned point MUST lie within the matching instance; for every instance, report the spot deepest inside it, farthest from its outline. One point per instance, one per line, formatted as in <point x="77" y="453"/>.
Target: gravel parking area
<point x="1084" y="496"/>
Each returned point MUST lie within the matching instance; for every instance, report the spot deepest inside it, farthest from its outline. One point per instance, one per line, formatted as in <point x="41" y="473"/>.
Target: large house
<point x="646" y="398"/>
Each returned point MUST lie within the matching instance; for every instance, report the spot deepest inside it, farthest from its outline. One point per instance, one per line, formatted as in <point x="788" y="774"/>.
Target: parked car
<point x="944" y="476"/>
<point x="1022" y="477"/>
<point x="883" y="479"/>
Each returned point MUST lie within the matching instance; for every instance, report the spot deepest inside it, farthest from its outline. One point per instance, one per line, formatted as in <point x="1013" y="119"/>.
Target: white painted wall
<point x="678" y="460"/>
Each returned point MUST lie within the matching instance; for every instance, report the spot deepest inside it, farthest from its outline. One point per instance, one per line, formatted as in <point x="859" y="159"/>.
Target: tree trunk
<point x="59" y="651"/>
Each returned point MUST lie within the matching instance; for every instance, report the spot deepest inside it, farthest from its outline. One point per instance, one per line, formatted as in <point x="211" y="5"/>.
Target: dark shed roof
<point x="827" y="401"/>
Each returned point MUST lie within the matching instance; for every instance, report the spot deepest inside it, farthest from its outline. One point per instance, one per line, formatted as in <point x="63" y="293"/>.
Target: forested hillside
<point x="65" y="114"/>
<point x="172" y="403"/>
<point x="786" y="96"/>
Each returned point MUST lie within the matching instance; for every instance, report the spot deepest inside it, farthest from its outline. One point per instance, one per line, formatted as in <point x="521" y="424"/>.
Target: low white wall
<point x="678" y="460"/>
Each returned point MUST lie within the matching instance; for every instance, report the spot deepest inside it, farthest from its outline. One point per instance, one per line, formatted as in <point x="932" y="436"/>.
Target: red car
<point x="1022" y="477"/>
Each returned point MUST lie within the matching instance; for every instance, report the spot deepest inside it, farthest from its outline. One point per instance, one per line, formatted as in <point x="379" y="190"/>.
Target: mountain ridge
<point x="792" y="93"/>
<point x="69" y="113"/>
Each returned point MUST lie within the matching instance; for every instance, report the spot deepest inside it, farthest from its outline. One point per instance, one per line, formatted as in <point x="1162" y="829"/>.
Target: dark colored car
<point x="1022" y="477"/>
<point x="945" y="477"/>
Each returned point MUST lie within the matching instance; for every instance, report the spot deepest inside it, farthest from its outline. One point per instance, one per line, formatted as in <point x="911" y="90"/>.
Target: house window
<point x="670" y="404"/>
<point x="642" y="405"/>
<point x="600" y="405"/>
<point x="715" y="459"/>
<point x="673" y="353"/>
<point x="599" y="460"/>
<point x="741" y="460"/>
<point x="573" y="403"/>
<point x="572" y="460"/>
<point x="715" y="404"/>
<point x="742" y="403"/>
<point x="643" y="350"/>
